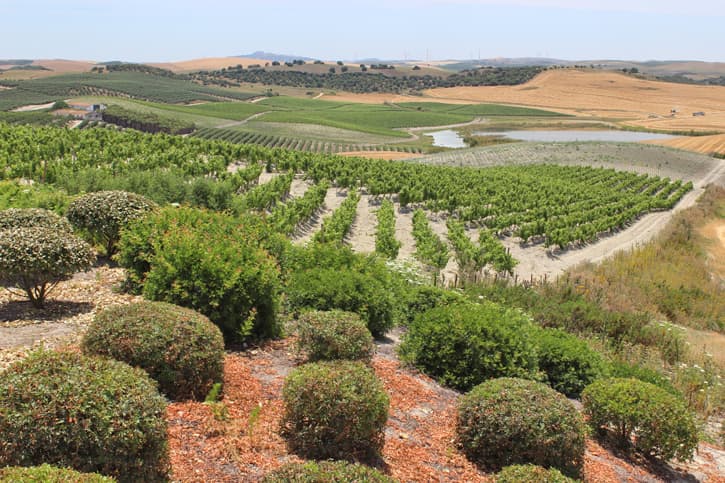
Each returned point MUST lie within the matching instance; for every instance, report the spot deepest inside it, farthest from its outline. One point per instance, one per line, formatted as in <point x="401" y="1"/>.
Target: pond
<point x="447" y="139"/>
<point x="572" y="136"/>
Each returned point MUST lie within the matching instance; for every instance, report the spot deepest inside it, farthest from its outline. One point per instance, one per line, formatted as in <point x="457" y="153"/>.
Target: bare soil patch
<point x="362" y="232"/>
<point x="207" y="63"/>
<point x="61" y="66"/>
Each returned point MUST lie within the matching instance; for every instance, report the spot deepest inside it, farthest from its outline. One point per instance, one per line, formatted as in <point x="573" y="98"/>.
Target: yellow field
<point x="700" y="144"/>
<point x="607" y="94"/>
<point x="207" y="63"/>
<point x="60" y="66"/>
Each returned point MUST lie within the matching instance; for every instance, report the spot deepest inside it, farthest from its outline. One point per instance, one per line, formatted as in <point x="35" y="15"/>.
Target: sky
<point x="154" y="31"/>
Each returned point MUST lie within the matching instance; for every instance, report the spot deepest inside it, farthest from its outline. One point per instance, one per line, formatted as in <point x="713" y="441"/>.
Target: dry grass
<point x="207" y="63"/>
<point x="700" y="144"/>
<point x="381" y="154"/>
<point x="60" y="66"/>
<point x="607" y="94"/>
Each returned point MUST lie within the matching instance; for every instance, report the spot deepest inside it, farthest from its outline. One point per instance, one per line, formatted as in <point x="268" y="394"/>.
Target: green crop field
<point x="479" y="109"/>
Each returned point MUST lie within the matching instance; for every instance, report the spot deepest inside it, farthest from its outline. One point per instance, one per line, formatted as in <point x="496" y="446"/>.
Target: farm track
<point x="243" y="121"/>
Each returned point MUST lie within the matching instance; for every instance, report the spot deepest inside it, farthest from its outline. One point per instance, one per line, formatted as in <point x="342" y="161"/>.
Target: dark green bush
<point x="531" y="474"/>
<point x="343" y="289"/>
<point x="334" y="409"/>
<point x="326" y="472"/>
<point x="33" y="217"/>
<point x="36" y="259"/>
<point x="334" y="335"/>
<point x="660" y="421"/>
<point x="569" y="363"/>
<point x="179" y="348"/>
<point x="210" y="262"/>
<point x="425" y="297"/>
<point x="516" y="421"/>
<point x="49" y="474"/>
<point x="103" y="214"/>
<point x="87" y="413"/>
<point x="462" y="345"/>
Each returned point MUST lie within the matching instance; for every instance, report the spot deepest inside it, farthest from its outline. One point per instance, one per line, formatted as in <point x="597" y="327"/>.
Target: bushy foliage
<point x="14" y="194"/>
<point x="210" y="262"/>
<point x="87" y="413"/>
<point x="33" y="217"/>
<point x="49" y="474"/>
<point x="531" y="474"/>
<point x="334" y="335"/>
<point x="623" y="369"/>
<point x="334" y="409"/>
<point x="568" y="362"/>
<point x="36" y="259"/>
<point x="326" y="472"/>
<point x="464" y="344"/>
<point x="103" y="214"/>
<point x="179" y="348"/>
<point x="660" y="421"/>
<point x="422" y="298"/>
<point x="343" y="289"/>
<point x="516" y="421"/>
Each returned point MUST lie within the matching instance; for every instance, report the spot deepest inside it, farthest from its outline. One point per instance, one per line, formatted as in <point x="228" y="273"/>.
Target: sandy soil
<point x="299" y="187"/>
<point x="362" y="233"/>
<point x="714" y="232"/>
<point x="61" y="66"/>
<point x="607" y="94"/>
<point x="394" y="155"/>
<point x="700" y="144"/>
<point x="33" y="107"/>
<point x="207" y="63"/>
<point x="333" y="199"/>
<point x="404" y="232"/>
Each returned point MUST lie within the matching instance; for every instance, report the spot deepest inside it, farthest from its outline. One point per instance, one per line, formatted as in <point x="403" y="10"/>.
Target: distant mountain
<point x="272" y="57"/>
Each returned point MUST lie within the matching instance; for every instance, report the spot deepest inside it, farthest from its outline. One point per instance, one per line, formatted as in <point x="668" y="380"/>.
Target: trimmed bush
<point x="343" y="289"/>
<point x="33" y="217"/>
<point x="516" y="421"/>
<point x="179" y="348"/>
<point x="531" y="474"/>
<point x="209" y="262"/>
<point x="49" y="474"/>
<point x="326" y="472"/>
<point x="334" y="409"/>
<point x="462" y="345"/>
<point x="36" y="259"/>
<point x="660" y="421"/>
<point x="569" y="363"/>
<point x="334" y="335"/>
<point x="102" y="215"/>
<point x="87" y="413"/>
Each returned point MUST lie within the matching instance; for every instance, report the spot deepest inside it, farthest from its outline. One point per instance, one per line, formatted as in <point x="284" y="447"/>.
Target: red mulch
<point x="419" y="445"/>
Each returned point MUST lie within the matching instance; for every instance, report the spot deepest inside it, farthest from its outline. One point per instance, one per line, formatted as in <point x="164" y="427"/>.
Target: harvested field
<point x="207" y="63"/>
<point x="604" y="94"/>
<point x="394" y="155"/>
<point x="700" y="144"/>
<point x="61" y="66"/>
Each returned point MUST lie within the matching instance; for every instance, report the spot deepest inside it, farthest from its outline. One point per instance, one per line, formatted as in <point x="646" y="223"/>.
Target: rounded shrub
<point x="422" y="298"/>
<point x="210" y="262"/>
<point x="49" y="474"/>
<point x="179" y="348"/>
<point x="462" y="345"/>
<point x="568" y="362"/>
<point x="334" y="335"/>
<point x="102" y="214"/>
<point x="343" y="289"/>
<point x="36" y="259"/>
<point x="33" y="217"/>
<point x="660" y="421"/>
<point x="531" y="474"/>
<point x="334" y="409"/>
<point x="88" y="413"/>
<point x="326" y="472"/>
<point x="516" y="421"/>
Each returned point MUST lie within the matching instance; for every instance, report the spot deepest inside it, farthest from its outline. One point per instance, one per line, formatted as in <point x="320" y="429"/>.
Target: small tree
<point x="36" y="259"/>
<point x="102" y="215"/>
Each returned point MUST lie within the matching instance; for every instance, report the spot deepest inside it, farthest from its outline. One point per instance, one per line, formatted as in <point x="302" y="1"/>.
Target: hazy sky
<point x="136" y="30"/>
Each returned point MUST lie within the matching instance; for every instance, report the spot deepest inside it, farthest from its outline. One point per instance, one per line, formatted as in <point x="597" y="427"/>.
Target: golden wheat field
<point x="700" y="144"/>
<point x="207" y="63"/>
<point x="607" y="94"/>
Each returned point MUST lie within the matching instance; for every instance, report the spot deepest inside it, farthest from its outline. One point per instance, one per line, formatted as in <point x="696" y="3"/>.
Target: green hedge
<point x="462" y="345"/>
<point x="334" y="335"/>
<point x="49" y="474"/>
<point x="515" y="421"/>
<point x="334" y="409"/>
<point x="87" y="413"/>
<point x="663" y="425"/>
<point x="531" y="474"/>
<point x="181" y="349"/>
<point x="326" y="472"/>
